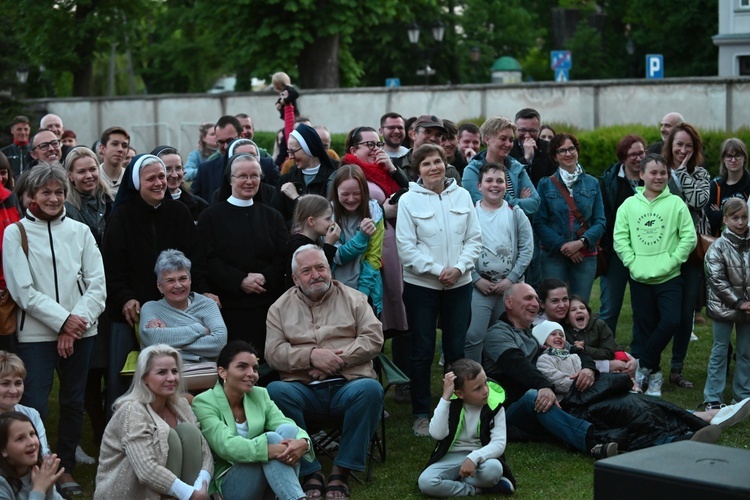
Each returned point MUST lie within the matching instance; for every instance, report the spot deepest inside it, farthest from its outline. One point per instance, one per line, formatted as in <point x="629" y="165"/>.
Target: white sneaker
<point x="83" y="458"/>
<point x="641" y="376"/>
<point x="732" y="414"/>
<point x="654" y="385"/>
<point x="421" y="427"/>
<point x="693" y="337"/>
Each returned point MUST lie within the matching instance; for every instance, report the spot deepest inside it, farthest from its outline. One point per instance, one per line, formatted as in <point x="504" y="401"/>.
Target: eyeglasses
<point x="177" y="169"/>
<point x="393" y="127"/>
<point x="437" y="135"/>
<point x="564" y="152"/>
<point x="636" y="155"/>
<point x="733" y="157"/>
<point x="46" y="145"/>
<point x="225" y="142"/>
<point x="245" y="177"/>
<point x="292" y="152"/>
<point x="371" y="145"/>
<point x="528" y="131"/>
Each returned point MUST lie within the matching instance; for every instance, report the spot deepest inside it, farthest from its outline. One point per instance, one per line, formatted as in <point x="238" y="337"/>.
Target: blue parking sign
<point x="654" y="66"/>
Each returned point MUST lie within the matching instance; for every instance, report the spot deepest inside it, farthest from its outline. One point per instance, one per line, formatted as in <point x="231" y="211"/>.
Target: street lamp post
<point x="475" y="53"/>
<point x="438" y="32"/>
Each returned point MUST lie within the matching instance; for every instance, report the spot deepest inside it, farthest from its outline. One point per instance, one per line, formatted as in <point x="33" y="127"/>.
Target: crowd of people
<point x="211" y="315"/>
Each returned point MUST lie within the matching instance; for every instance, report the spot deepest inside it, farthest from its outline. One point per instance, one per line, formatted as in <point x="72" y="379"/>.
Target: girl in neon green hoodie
<point x="653" y="236"/>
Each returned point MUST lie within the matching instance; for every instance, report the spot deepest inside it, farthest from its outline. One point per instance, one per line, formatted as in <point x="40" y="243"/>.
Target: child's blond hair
<point x="280" y="80"/>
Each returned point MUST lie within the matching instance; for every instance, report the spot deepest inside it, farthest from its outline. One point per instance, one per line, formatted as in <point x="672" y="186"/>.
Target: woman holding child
<point x="629" y="421"/>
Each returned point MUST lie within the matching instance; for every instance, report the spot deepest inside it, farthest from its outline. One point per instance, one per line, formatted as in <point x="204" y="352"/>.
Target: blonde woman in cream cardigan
<point x="153" y="447"/>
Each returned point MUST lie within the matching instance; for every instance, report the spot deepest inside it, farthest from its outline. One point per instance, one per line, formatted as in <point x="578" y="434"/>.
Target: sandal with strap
<point x="678" y="379"/>
<point x="341" y="488"/>
<point x="307" y="486"/>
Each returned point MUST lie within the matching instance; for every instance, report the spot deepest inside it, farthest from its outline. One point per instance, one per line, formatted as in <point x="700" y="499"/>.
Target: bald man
<point x="53" y="123"/>
<point x="665" y="127"/>
<point x="509" y="357"/>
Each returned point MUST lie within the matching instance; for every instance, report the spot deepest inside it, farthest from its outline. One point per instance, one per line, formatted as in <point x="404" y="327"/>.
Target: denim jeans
<point x="359" y="402"/>
<point x="249" y="481"/>
<point x="533" y="275"/>
<point x="691" y="284"/>
<point x="42" y="360"/>
<point x="613" y="291"/>
<point x="121" y="342"/>
<point x="565" y="427"/>
<point x="654" y="319"/>
<point x="441" y="479"/>
<point x="579" y="277"/>
<point x="423" y="306"/>
<point x="485" y="311"/>
<point x="716" y="377"/>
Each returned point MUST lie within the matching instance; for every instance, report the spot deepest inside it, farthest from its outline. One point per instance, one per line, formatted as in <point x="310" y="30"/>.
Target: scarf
<point x="41" y="215"/>
<point x="558" y="353"/>
<point x="375" y="173"/>
<point x="21" y="144"/>
<point x="568" y="178"/>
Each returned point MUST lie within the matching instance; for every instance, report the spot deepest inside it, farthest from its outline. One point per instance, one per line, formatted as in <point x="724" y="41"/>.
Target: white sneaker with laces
<point x="654" y="385"/>
<point x="421" y="427"/>
<point x="732" y="414"/>
<point x="641" y="376"/>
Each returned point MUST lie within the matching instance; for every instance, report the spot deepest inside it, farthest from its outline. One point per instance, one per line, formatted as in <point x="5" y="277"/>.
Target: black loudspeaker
<point x="684" y="470"/>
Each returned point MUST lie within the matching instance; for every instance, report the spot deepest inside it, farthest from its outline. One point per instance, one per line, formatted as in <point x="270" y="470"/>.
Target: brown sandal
<point x="678" y="379"/>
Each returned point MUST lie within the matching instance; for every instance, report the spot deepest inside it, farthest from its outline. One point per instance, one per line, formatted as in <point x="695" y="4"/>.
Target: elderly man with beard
<point x="322" y="337"/>
<point x="509" y="358"/>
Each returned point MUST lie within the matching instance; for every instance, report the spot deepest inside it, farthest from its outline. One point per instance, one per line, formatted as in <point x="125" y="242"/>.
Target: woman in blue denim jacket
<point x="568" y="250"/>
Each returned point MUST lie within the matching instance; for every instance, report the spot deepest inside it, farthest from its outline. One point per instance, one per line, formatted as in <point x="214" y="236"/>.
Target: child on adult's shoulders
<point x="469" y="425"/>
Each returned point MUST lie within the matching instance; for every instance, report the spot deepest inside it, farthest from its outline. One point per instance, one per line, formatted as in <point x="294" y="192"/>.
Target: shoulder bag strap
<point x="572" y="205"/>
<point x="24" y="239"/>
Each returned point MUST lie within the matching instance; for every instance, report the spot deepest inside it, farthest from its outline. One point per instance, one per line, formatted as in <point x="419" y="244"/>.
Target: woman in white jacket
<point x="60" y="292"/>
<point x="439" y="239"/>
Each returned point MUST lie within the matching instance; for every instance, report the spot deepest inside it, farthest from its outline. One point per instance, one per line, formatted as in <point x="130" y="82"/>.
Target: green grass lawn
<point x="543" y="470"/>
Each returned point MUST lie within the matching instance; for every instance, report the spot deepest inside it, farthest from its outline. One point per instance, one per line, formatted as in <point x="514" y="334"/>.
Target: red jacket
<point x="9" y="214"/>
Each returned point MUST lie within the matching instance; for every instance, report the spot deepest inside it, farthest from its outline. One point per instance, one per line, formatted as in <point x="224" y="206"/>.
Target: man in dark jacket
<point x="18" y="152"/>
<point x="509" y="358"/>
<point x="208" y="178"/>
<point x="529" y="149"/>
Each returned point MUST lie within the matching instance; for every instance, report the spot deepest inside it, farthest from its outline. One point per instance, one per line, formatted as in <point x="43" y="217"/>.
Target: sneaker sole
<point x="709" y="435"/>
<point x="734" y="418"/>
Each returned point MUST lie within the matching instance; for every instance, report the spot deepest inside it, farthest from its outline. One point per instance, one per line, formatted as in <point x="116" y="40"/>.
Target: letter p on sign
<point x="654" y="66"/>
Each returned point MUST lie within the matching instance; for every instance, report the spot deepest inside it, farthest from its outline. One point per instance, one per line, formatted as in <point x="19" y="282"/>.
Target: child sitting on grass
<point x="593" y="337"/>
<point x="469" y="425"/>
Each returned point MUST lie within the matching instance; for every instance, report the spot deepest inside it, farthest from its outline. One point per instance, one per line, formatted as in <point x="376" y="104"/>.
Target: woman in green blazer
<point x="254" y="445"/>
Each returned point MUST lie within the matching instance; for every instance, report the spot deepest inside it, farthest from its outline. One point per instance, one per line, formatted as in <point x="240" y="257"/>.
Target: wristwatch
<point x="584" y="241"/>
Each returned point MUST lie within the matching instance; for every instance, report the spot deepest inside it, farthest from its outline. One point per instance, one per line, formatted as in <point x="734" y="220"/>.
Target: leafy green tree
<point x="64" y="35"/>
<point x="681" y="32"/>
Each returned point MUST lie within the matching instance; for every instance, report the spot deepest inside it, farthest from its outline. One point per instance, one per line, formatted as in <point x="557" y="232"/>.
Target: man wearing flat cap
<point x="428" y="129"/>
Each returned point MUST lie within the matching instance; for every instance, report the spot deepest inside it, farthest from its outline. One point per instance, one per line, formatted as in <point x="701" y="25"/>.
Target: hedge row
<point x="597" y="146"/>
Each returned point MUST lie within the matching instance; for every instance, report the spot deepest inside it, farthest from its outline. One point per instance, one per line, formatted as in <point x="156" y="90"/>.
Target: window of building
<point x="744" y="62"/>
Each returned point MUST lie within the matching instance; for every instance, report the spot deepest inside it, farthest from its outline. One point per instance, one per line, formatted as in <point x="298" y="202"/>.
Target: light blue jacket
<point x="553" y="220"/>
<point x="519" y="178"/>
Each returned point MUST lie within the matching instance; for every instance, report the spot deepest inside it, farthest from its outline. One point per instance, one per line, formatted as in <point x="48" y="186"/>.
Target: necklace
<point x="239" y="415"/>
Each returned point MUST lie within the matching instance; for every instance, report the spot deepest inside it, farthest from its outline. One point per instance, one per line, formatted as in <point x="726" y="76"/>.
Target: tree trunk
<point x="318" y="64"/>
<point x="83" y="74"/>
